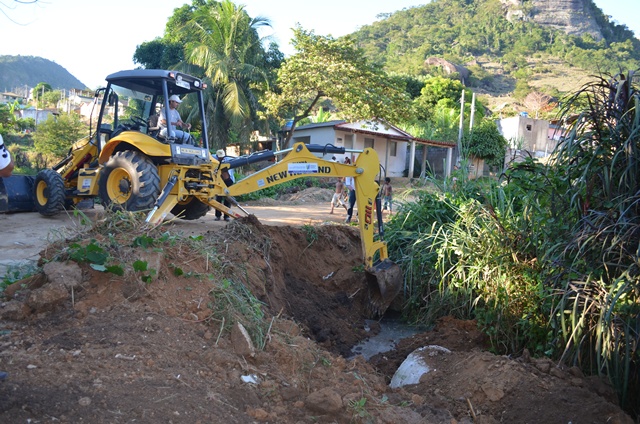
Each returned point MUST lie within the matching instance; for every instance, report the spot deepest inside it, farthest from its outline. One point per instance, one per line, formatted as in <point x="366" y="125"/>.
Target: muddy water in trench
<point x="392" y="330"/>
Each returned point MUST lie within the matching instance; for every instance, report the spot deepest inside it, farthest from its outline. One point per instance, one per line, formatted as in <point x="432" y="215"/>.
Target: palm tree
<point x="228" y="50"/>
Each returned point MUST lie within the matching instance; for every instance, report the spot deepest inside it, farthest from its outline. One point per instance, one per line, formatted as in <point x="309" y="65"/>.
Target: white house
<point x="39" y="115"/>
<point x="391" y="143"/>
<point x="527" y="136"/>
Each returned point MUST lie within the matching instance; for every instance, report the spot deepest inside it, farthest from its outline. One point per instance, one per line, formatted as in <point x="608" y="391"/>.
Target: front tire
<point x="49" y="192"/>
<point x="129" y="181"/>
<point x="190" y="209"/>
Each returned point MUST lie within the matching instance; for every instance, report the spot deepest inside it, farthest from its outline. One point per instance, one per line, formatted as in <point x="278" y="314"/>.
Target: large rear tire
<point x="49" y="192"/>
<point x="129" y="181"/>
<point x="190" y="209"/>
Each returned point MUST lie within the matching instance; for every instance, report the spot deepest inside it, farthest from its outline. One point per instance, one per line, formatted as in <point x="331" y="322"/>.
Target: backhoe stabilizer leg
<point x="235" y="203"/>
<point x="166" y="201"/>
<point x="222" y="208"/>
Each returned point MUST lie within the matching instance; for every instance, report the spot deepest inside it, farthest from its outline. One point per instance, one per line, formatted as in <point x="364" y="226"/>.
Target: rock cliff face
<point x="574" y="17"/>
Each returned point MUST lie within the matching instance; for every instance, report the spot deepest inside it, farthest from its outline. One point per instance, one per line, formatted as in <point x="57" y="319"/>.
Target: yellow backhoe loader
<point x="131" y="165"/>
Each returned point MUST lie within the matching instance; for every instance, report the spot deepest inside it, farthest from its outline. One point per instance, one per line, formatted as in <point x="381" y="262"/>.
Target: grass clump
<point x="546" y="258"/>
<point x="233" y="302"/>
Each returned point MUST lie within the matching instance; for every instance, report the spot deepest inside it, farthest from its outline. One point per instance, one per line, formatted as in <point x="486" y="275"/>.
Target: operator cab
<point x="133" y="99"/>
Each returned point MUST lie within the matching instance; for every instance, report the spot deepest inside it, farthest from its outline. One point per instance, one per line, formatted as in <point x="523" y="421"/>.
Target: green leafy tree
<point x="434" y="91"/>
<point x="226" y="46"/>
<point x="6" y="116"/>
<point x="158" y="54"/>
<point x="39" y="92"/>
<point x="42" y="87"/>
<point x="167" y="52"/>
<point x="487" y="143"/>
<point x="437" y="109"/>
<point x="55" y="136"/>
<point x="51" y="98"/>
<point x="324" y="67"/>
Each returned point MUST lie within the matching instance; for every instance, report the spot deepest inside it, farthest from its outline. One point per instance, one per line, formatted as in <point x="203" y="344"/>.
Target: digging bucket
<point x="384" y="281"/>
<point x="16" y="194"/>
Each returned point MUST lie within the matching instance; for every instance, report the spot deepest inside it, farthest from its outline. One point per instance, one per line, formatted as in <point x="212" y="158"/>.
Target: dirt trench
<point x="82" y="345"/>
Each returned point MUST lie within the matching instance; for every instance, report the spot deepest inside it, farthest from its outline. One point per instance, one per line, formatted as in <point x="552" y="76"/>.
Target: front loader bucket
<point x="16" y="194"/>
<point x="385" y="282"/>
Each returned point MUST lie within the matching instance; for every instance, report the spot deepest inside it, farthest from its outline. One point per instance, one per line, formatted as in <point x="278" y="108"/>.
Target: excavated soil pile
<point x="162" y="342"/>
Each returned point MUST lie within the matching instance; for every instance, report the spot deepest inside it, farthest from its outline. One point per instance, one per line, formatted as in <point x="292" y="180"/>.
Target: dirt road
<point x="24" y="235"/>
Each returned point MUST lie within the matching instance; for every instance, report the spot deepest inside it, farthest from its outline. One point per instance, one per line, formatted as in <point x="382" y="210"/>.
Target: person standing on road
<point x="350" y="183"/>
<point x="387" y="195"/>
<point x="337" y="196"/>
<point x="6" y="162"/>
<point x="228" y="178"/>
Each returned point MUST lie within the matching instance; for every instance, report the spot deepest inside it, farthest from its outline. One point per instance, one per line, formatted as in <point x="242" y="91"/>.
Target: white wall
<point x="525" y="133"/>
<point x="319" y="135"/>
<point x="394" y="165"/>
<point x="42" y="115"/>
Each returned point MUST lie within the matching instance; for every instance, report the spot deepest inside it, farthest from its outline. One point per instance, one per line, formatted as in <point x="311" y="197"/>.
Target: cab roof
<point x="150" y="81"/>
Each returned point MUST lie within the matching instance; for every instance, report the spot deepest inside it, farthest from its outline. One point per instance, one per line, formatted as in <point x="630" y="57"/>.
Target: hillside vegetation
<point x="18" y="71"/>
<point x="498" y="51"/>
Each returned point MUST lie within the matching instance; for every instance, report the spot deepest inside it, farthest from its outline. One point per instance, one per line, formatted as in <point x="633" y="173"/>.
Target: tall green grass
<point x="470" y="256"/>
<point x="598" y="308"/>
<point x="546" y="258"/>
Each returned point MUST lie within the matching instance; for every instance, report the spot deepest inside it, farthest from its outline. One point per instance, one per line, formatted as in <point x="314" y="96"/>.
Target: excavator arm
<point x="384" y="277"/>
<point x="300" y="162"/>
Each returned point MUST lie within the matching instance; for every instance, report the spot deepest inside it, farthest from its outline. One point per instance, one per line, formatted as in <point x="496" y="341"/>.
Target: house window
<point x="393" y="148"/>
<point x="368" y="142"/>
<point x="305" y="139"/>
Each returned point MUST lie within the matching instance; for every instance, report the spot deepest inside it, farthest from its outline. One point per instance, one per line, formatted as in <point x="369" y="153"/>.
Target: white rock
<point x="415" y="366"/>
<point x="252" y="379"/>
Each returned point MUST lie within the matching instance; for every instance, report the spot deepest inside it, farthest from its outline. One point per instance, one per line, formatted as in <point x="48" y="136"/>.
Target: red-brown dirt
<point x="161" y="346"/>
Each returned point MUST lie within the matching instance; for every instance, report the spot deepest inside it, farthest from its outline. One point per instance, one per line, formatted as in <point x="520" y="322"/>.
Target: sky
<point x="94" y="39"/>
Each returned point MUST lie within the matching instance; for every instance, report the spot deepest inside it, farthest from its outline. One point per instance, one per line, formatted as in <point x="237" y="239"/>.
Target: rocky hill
<point x="508" y="46"/>
<point x="18" y="71"/>
<point x="573" y="17"/>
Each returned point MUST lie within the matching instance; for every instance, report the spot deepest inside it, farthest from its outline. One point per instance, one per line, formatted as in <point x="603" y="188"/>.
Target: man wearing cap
<point x="6" y="163"/>
<point x="229" y="179"/>
<point x="174" y="117"/>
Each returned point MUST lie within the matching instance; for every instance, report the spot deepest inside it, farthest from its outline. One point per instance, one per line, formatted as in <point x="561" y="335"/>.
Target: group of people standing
<point x="345" y="189"/>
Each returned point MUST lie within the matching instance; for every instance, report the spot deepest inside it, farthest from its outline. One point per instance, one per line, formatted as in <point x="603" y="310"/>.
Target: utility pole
<point x="35" y="98"/>
<point x="473" y="110"/>
<point x="460" y="126"/>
